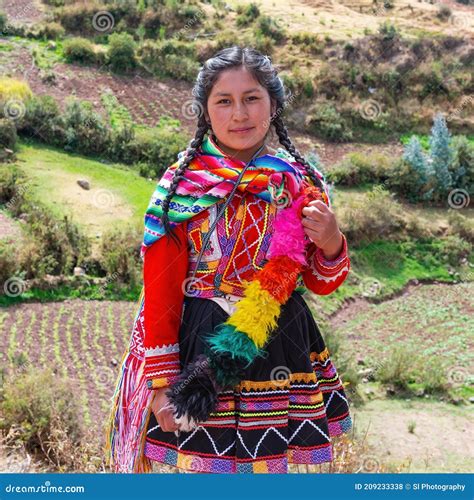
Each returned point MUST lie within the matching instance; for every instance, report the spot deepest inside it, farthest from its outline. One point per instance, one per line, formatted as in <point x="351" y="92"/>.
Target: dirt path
<point x="442" y="439"/>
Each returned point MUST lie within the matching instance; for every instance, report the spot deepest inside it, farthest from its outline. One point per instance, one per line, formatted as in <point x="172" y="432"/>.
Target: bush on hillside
<point x="169" y="58"/>
<point x="86" y="131"/>
<point x="158" y="148"/>
<point x="42" y="120"/>
<point x="39" y="411"/>
<point x="3" y="22"/>
<point x="247" y="14"/>
<point x="121" y="52"/>
<point x="8" y="264"/>
<point x="360" y="168"/>
<point x="120" y="255"/>
<point x="8" y="135"/>
<point x="48" y="31"/>
<point x="461" y="166"/>
<point x="79" y="50"/>
<point x="377" y="215"/>
<point x="324" y="120"/>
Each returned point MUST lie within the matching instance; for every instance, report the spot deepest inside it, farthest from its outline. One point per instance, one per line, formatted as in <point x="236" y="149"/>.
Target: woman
<point x="227" y="371"/>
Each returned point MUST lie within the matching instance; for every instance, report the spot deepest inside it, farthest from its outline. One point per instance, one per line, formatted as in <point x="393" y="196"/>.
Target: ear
<point x="272" y="107"/>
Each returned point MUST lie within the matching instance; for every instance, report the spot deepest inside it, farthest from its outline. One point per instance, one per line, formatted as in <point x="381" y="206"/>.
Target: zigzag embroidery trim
<point x="328" y="278"/>
<point x="160" y="350"/>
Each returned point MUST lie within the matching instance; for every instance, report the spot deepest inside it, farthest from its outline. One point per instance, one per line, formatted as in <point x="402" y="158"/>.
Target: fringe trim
<point x="130" y="413"/>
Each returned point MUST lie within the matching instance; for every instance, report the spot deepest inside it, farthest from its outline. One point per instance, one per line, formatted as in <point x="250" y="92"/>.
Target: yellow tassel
<point x="256" y="314"/>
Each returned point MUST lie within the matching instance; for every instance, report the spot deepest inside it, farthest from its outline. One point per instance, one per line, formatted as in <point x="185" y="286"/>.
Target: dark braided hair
<point x="262" y="69"/>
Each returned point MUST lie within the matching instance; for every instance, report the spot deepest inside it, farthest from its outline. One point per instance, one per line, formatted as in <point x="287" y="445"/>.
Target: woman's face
<point x="238" y="101"/>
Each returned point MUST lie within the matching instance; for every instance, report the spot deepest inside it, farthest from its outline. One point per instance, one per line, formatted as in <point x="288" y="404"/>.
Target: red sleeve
<point x="165" y="268"/>
<point x="323" y="276"/>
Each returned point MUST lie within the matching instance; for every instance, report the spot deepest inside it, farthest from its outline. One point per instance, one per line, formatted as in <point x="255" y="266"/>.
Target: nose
<point x="240" y="112"/>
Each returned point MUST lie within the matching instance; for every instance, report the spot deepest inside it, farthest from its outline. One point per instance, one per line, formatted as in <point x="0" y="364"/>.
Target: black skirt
<point x="285" y="410"/>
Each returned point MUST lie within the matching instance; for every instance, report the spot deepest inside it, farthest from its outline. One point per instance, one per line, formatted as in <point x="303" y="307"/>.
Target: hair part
<point x="262" y="69"/>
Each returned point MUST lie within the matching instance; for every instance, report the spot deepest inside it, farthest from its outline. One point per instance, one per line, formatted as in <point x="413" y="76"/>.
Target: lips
<point x="241" y="130"/>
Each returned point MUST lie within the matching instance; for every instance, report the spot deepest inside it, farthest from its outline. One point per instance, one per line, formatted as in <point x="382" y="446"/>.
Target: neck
<point x="244" y="155"/>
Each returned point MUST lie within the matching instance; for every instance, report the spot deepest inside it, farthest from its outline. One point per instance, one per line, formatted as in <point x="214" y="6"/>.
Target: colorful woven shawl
<point x="210" y="177"/>
<point x="235" y="344"/>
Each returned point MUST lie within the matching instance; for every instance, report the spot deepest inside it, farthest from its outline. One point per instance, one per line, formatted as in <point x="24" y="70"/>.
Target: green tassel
<point x="226" y="339"/>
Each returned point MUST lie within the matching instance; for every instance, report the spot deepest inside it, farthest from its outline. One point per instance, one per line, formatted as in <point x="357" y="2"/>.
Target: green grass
<point x="82" y="291"/>
<point x="118" y="194"/>
<point x="390" y="266"/>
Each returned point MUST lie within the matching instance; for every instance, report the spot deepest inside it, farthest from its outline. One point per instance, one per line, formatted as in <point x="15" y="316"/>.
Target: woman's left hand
<point x="320" y="225"/>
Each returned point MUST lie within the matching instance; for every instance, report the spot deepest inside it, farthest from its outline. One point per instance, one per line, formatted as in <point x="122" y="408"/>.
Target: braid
<point x="191" y="151"/>
<point x="285" y="140"/>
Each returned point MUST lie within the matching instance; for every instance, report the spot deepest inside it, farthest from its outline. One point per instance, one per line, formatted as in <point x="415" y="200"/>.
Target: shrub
<point x="151" y="23"/>
<point x="86" y="131"/>
<point x="43" y="120"/>
<point x="79" y="50"/>
<point x="461" y="225"/>
<point x="325" y="120"/>
<point x="454" y="249"/>
<point x="121" y="53"/>
<point x="444" y="12"/>
<point x="12" y="89"/>
<point x="40" y="411"/>
<point x="420" y="186"/>
<point x="8" y="263"/>
<point x="158" y="147"/>
<point x="8" y="135"/>
<point x="462" y="164"/>
<point x="49" y="31"/>
<point x="78" y="17"/>
<point x="398" y="368"/>
<point x="377" y="215"/>
<point x="3" y="22"/>
<point x="360" y="168"/>
<point x="388" y="31"/>
<point x="169" y="58"/>
<point x="120" y="254"/>
<point x="268" y="27"/>
<point x="248" y="15"/>
<point x="54" y="245"/>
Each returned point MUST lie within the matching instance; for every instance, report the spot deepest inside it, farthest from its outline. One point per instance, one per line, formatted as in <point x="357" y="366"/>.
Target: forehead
<point x="235" y="81"/>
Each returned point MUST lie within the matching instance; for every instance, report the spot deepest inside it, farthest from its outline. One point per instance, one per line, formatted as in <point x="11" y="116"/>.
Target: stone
<point x="84" y="184"/>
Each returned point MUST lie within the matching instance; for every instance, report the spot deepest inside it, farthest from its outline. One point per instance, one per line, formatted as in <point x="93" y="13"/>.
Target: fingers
<point x="166" y="420"/>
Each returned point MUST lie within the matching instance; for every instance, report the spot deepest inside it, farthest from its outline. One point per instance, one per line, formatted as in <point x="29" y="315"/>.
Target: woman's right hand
<point x="165" y="417"/>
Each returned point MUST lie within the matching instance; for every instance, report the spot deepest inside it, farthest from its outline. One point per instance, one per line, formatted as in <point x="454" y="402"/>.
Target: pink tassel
<point x="289" y="238"/>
